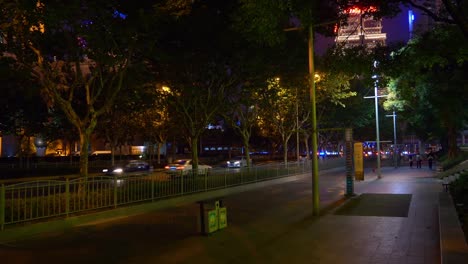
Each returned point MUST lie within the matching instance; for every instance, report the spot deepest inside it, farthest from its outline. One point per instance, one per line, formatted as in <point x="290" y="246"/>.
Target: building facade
<point x="361" y="29"/>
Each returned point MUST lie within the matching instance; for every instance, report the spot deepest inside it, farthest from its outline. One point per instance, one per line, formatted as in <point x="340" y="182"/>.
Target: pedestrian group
<point x="418" y="158"/>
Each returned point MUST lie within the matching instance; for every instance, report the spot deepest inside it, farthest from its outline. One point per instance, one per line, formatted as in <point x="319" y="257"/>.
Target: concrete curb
<point x="453" y="247"/>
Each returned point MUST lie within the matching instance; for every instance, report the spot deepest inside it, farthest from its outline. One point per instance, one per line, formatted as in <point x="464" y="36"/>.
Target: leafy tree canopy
<point x="429" y="75"/>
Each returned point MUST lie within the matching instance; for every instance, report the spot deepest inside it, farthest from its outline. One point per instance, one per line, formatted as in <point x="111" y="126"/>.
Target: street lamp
<point x="395" y="152"/>
<point x="376" y="100"/>
<point x="298" y="152"/>
<point x="315" y="178"/>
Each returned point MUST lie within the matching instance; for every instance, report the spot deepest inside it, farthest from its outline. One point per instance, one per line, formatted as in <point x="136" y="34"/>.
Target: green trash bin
<point x="212" y="221"/>
<point x="214" y="217"/>
<point x="222" y="218"/>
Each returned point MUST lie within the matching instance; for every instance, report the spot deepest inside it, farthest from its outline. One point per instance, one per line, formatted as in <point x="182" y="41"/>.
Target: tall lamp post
<point x="395" y="149"/>
<point x="376" y="100"/>
<point x="379" y="175"/>
<point x="298" y="153"/>
<point x="315" y="178"/>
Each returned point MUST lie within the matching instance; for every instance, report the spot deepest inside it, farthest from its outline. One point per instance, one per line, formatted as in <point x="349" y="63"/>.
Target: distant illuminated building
<point x="420" y="22"/>
<point x="361" y="29"/>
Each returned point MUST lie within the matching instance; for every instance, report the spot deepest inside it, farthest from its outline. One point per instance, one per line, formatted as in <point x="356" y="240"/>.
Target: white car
<point x="237" y="162"/>
<point x="184" y="166"/>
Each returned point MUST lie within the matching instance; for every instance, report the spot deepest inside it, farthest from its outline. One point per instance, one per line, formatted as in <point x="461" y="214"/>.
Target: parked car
<point x="237" y="162"/>
<point x="129" y="167"/>
<point x="184" y="166"/>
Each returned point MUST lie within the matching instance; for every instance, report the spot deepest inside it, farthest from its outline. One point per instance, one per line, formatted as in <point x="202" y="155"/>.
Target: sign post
<point x="358" y="161"/>
<point x="349" y="162"/>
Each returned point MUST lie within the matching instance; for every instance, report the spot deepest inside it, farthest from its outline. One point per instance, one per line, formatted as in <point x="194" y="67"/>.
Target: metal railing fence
<point x="30" y="201"/>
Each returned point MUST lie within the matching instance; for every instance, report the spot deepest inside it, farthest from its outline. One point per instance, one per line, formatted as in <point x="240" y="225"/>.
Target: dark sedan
<point x="129" y="167"/>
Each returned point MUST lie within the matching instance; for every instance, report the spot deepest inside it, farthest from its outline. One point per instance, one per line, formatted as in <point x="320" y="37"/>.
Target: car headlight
<point x="118" y="170"/>
<point x="105" y="170"/>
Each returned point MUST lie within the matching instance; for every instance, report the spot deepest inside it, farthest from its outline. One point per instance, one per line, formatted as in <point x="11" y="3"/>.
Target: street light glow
<point x="166" y="89"/>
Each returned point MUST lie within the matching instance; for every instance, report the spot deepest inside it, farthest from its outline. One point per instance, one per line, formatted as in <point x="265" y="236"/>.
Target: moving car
<point x="184" y="166"/>
<point x="237" y="162"/>
<point x="129" y="167"/>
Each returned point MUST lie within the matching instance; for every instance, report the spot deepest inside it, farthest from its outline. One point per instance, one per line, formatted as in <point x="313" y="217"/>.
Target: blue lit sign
<point x="410" y="23"/>
<point x="119" y="15"/>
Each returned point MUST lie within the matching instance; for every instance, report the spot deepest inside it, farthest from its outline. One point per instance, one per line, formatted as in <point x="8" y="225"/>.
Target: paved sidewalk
<point x="269" y="225"/>
<point x="369" y="239"/>
<point x="332" y="238"/>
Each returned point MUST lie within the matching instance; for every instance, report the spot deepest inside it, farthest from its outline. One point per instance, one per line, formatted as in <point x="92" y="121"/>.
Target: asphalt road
<point x="158" y="236"/>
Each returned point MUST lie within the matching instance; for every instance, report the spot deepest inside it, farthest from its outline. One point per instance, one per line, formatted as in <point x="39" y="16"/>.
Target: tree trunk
<point x="452" y="142"/>
<point x="159" y="153"/>
<point x="247" y="152"/>
<point x="285" y="150"/>
<point x="173" y="149"/>
<point x="20" y="151"/>
<point x="306" y="144"/>
<point x="150" y="151"/>
<point x="194" y="142"/>
<point x="84" y="153"/>
<point x="28" y="153"/>
<point x="71" y="152"/>
<point x="271" y="148"/>
<point x="112" y="154"/>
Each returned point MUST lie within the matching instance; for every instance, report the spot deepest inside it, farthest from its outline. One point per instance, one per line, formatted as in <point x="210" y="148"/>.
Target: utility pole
<point x="298" y="153"/>
<point x="315" y="177"/>
<point x="395" y="149"/>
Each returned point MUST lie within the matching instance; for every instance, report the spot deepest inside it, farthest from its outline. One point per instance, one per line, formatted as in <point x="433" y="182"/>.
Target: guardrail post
<point x="206" y="179"/>
<point x="182" y="181"/>
<point x="115" y="191"/>
<point x="152" y="186"/>
<point x="2" y="206"/>
<point x="67" y="197"/>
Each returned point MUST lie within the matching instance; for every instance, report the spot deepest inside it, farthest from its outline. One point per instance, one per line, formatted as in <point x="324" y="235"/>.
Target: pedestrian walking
<point x="418" y="161"/>
<point x="410" y="159"/>
<point x="430" y="158"/>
